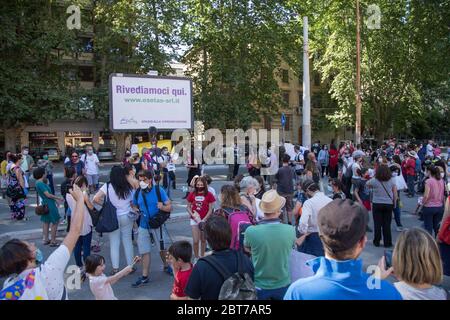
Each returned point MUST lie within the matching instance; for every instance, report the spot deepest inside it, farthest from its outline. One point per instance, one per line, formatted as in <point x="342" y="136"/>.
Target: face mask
<point x="143" y="185"/>
<point x="347" y="156"/>
<point x="45" y="157"/>
<point x="90" y="152"/>
<point x="442" y="175"/>
<point x="25" y="152"/>
<point x="165" y="153"/>
<point x="39" y="257"/>
<point x="394" y="174"/>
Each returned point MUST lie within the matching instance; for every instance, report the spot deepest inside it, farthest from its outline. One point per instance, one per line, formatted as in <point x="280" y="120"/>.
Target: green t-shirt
<point x="271" y="245"/>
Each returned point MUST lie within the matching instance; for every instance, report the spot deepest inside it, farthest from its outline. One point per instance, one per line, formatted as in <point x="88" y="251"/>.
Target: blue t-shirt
<point x="79" y="166"/>
<point x="152" y="204"/>
<point x="340" y="280"/>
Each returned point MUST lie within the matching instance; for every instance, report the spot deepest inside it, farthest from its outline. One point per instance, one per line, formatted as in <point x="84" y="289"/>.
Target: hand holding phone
<point x="388" y="258"/>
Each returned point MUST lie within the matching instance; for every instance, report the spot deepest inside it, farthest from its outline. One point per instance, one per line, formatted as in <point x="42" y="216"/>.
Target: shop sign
<point x="78" y="134"/>
<point x="43" y="135"/>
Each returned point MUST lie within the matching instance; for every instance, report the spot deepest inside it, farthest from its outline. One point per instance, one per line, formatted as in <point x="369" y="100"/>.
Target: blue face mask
<point x="39" y="257"/>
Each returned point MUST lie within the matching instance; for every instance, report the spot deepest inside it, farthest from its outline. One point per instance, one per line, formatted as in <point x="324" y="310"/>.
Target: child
<point x="99" y="283"/>
<point x="179" y="256"/>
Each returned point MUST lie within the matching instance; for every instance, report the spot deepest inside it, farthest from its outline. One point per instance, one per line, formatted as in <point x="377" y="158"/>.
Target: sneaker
<point x="64" y="222"/>
<point x="400" y="229"/>
<point x="140" y="282"/>
<point x="168" y="270"/>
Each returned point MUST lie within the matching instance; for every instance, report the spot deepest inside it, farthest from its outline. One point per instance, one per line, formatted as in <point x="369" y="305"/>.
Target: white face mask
<point x="143" y="185"/>
<point x="25" y="152"/>
<point x="442" y="175"/>
<point x="394" y="174"/>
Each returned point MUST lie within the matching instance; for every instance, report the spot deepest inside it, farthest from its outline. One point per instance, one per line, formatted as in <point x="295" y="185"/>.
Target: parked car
<point x="53" y="154"/>
<point x="106" y="154"/>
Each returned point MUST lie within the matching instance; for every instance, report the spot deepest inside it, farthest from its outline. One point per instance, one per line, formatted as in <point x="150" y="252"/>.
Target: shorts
<point x="92" y="179"/>
<point x="194" y="223"/>
<point x="289" y="201"/>
<point x="143" y="241"/>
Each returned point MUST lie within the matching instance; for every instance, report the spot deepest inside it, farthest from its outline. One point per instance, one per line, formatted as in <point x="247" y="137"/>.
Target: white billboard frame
<point x="164" y="129"/>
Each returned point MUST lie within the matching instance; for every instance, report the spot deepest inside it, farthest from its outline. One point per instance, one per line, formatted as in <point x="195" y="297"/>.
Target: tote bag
<point x="107" y="221"/>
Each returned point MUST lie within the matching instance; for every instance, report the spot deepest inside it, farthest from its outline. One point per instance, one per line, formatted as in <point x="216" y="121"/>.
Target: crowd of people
<point x="258" y="226"/>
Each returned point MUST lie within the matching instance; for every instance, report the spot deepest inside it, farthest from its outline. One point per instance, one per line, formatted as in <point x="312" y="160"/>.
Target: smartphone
<point x="388" y="258"/>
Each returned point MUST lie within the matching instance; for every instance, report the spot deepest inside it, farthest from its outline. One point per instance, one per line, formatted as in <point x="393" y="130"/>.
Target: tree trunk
<point x="121" y="145"/>
<point x="10" y="139"/>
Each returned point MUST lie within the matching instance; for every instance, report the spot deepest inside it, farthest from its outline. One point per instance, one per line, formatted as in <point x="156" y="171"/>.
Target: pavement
<point x="178" y="228"/>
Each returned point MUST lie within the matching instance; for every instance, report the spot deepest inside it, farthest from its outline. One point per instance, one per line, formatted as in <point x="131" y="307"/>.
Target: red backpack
<point x="239" y="222"/>
<point x="444" y="231"/>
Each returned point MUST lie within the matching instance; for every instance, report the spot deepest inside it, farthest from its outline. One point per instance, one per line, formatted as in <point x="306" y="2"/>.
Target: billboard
<point x="137" y="102"/>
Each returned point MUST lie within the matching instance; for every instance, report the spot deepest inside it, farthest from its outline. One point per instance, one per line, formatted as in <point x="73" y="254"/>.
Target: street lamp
<point x="358" y="78"/>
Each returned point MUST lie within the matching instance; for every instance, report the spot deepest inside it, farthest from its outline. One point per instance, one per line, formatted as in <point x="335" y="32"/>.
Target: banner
<point x="138" y="102"/>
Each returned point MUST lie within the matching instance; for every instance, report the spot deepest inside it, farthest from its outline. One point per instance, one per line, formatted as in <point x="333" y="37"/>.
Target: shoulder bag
<point x="107" y="221"/>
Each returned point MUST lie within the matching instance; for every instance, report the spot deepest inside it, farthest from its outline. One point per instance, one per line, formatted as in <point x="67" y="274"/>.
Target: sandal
<point x="54" y="244"/>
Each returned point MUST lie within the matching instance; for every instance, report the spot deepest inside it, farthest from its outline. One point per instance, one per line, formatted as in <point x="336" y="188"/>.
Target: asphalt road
<point x="178" y="228"/>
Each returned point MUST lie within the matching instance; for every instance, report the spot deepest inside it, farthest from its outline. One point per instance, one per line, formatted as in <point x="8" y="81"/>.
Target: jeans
<point x="410" y="182"/>
<point x="432" y="216"/>
<point x="83" y="244"/>
<point x="382" y="218"/>
<point x="445" y="255"/>
<point x="124" y="233"/>
<point x="397" y="212"/>
<point x="50" y="183"/>
<point x="271" y="294"/>
<point x="324" y="171"/>
<point x="312" y="245"/>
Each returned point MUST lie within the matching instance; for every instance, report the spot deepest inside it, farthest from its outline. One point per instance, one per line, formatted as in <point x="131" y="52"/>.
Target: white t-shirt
<point x="299" y="157"/>
<point x="100" y="289"/>
<point x="356" y="167"/>
<point x="310" y="211"/>
<point x="49" y="277"/>
<point x="122" y="206"/>
<point x="259" y="212"/>
<point x="347" y="163"/>
<point x="410" y="293"/>
<point x="430" y="150"/>
<point x="87" y="221"/>
<point x="91" y="163"/>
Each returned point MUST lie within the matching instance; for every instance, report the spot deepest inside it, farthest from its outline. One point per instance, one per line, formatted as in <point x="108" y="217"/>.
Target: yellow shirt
<point x="3" y="167"/>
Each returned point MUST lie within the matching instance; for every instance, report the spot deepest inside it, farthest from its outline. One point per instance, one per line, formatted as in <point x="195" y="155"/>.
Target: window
<point x="316" y="79"/>
<point x="286" y="97"/>
<point x="72" y="75"/>
<point x="285" y="76"/>
<point x="86" y="73"/>
<point x="287" y="126"/>
<point x="300" y="99"/>
<point x="316" y="101"/>
<point x="267" y="122"/>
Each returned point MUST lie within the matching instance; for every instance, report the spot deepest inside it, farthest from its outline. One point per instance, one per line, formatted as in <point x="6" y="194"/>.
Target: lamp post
<point x="358" y="78"/>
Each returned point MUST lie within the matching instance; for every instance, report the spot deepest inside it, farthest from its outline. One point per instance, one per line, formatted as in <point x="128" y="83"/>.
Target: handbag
<point x="107" y="221"/>
<point x="42" y="210"/>
<point x="95" y="216"/>
<point x="161" y="217"/>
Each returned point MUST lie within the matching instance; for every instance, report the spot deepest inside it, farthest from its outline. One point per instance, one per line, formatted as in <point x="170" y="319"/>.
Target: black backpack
<point x="236" y="286"/>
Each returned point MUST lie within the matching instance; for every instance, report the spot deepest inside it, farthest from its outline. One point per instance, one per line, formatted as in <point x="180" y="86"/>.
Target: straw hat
<point x="271" y="202"/>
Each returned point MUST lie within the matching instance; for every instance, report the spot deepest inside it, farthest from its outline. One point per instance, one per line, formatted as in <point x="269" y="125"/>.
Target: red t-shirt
<point x="334" y="158"/>
<point x="200" y="202"/>
<point x="180" y="282"/>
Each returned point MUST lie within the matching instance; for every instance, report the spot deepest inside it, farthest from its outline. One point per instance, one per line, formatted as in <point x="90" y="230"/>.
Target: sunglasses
<point x="74" y="156"/>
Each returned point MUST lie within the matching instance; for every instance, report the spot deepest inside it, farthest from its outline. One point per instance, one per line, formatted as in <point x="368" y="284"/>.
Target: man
<point x="430" y="149"/>
<point x="92" y="164"/>
<point x="270" y="244"/>
<point x="356" y="169"/>
<point x="339" y="275"/>
<point x="410" y="170"/>
<point x="27" y="164"/>
<point x="358" y="152"/>
<point x="285" y="187"/>
<point x="316" y="148"/>
<point x="347" y="172"/>
<point x="77" y="164"/>
<point x="146" y="199"/>
<point x="299" y="161"/>
<point x="205" y="281"/>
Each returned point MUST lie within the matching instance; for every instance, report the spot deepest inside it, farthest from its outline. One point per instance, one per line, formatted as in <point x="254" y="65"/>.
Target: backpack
<point x="349" y="172"/>
<point x="239" y="221"/>
<point x="237" y="286"/>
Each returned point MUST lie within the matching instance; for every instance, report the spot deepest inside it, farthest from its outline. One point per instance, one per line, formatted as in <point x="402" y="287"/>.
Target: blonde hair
<point x="416" y="258"/>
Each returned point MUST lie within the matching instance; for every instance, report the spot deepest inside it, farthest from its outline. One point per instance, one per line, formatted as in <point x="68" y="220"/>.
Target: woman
<point x="417" y="265"/>
<point x="433" y="200"/>
<point x="48" y="166"/>
<point x="248" y="187"/>
<point x="77" y="164"/>
<point x="309" y="240"/>
<point x="69" y="175"/>
<point x="17" y="185"/>
<point x="396" y="169"/>
<point x="85" y="239"/>
<point x="200" y="204"/>
<point x="131" y="176"/>
<point x="334" y="159"/>
<point x="230" y="201"/>
<point x="313" y="168"/>
<point x="384" y="200"/>
<point x="193" y="170"/>
<point x="52" y="218"/>
<point x="262" y="187"/>
<point x="20" y="259"/>
<point x="336" y="187"/>
<point x="324" y="160"/>
<point x="445" y="247"/>
<point x="120" y="193"/>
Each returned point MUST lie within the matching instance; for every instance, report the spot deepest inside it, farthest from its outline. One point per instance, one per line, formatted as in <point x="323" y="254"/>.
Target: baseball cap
<point x="342" y="223"/>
